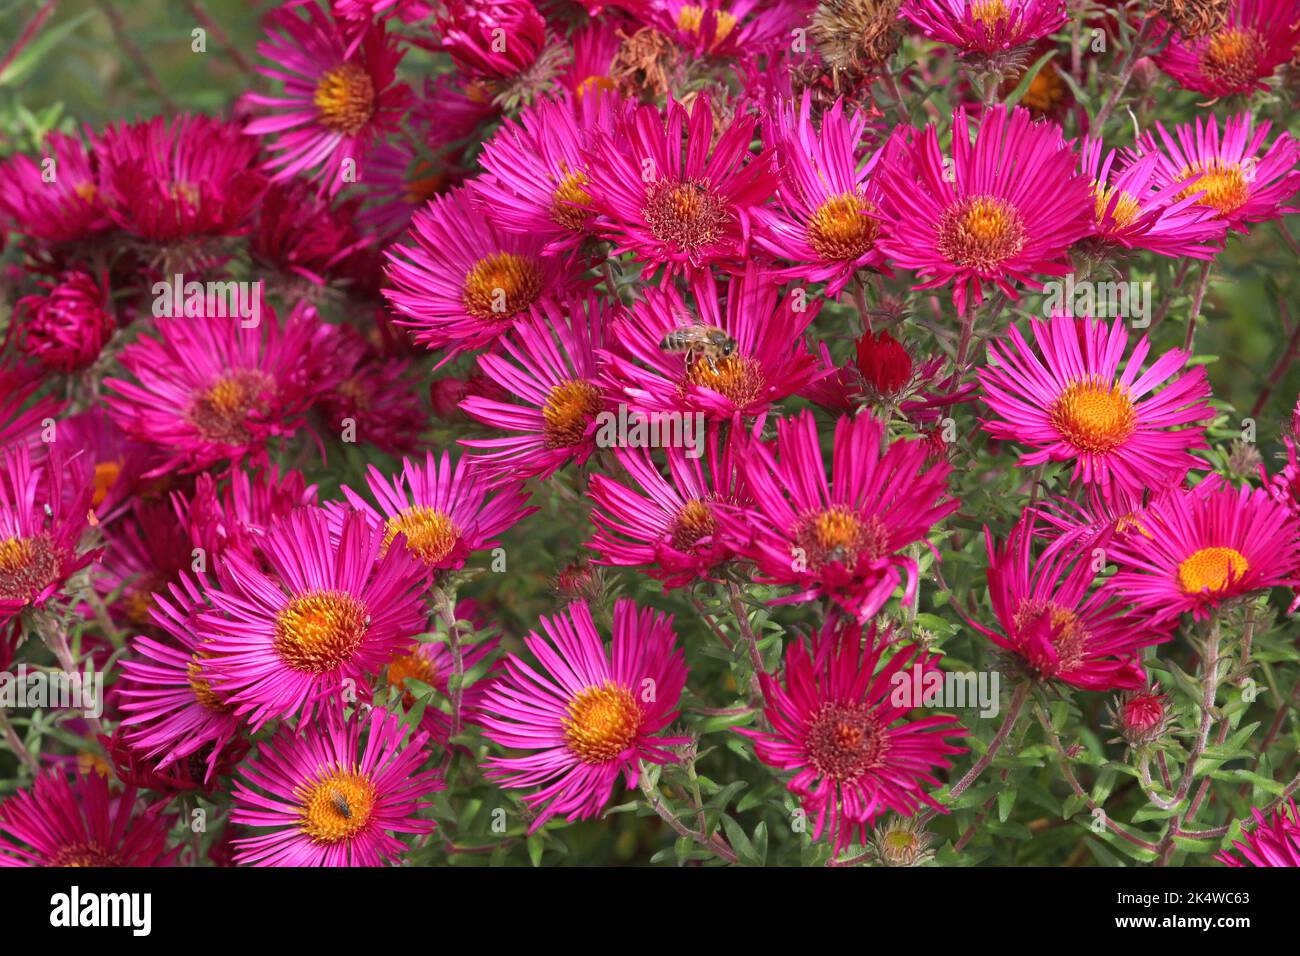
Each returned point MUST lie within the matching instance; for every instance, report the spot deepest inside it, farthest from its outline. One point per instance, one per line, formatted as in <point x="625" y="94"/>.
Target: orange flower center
<point x="106" y="473"/>
<point x="85" y="854"/>
<point x="430" y="534"/>
<point x="845" y="741"/>
<point x="1069" y="636"/>
<point x="602" y="722"/>
<point x="501" y="285"/>
<point x="345" y="98"/>
<point x="1125" y="211"/>
<point x="570" y="408"/>
<point x="843" y="228"/>
<point x="413" y="666"/>
<point x="1093" y="416"/>
<point x="220" y="414"/>
<point x="691" y="18"/>
<point x="1231" y="57"/>
<point x="981" y="233"/>
<point x="837" y="535"/>
<point x="595" y="83"/>
<point x="336" y="807"/>
<point x="319" y="631"/>
<point x="739" y="378"/>
<point x="687" y="214"/>
<point x="695" y="521"/>
<point x="203" y="692"/>
<point x="1211" y="570"/>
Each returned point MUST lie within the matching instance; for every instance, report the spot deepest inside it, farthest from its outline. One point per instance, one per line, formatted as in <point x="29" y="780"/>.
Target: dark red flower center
<point x="845" y="741"/>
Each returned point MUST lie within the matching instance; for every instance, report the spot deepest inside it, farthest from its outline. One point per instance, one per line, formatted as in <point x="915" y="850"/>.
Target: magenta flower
<point x="463" y="282"/>
<point x="206" y="389"/>
<point x="1227" y="172"/>
<point x="1074" y="404"/>
<point x="237" y="514"/>
<point x="985" y="27"/>
<point x="78" y="821"/>
<point x="171" y="710"/>
<point x="672" y="196"/>
<point x="68" y="208"/>
<point x="588" y="714"/>
<point x="668" y="525"/>
<point x="1239" y="55"/>
<point x="328" y="797"/>
<point x="715" y="28"/>
<point x="549" y="364"/>
<point x="536" y="177"/>
<point x="43" y="510"/>
<point x="1132" y="210"/>
<point x="1051" y="622"/>
<point x="312" y="620"/>
<point x="1192" y="550"/>
<point x="340" y="95"/>
<point x="66" y="328"/>
<point x="1000" y="211"/>
<point x="1275" y="840"/>
<point x="172" y="180"/>
<point x="472" y="31"/>
<point x="840" y="725"/>
<point x="443" y="513"/>
<point x="769" y="361"/>
<point x="22" y="410"/>
<point x="839" y="537"/>
<point x="828" y="218"/>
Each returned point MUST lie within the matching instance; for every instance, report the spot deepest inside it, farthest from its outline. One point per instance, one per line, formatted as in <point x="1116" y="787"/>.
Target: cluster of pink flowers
<point x="655" y="212"/>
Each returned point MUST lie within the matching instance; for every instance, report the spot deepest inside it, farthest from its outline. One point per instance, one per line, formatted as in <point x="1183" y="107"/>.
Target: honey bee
<point x="341" y="804"/>
<point x="699" y="341"/>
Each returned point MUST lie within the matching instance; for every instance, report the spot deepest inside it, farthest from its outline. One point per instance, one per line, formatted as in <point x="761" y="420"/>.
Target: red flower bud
<point x="884" y="363"/>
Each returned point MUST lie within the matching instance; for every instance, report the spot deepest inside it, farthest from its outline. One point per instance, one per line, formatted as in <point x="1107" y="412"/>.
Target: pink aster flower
<point x="594" y="48"/>
<point x="1074" y="403"/>
<point x="1275" y="840"/>
<point x="1051" y="622"/>
<point x="206" y="389"/>
<point x="1132" y="210"/>
<point x="313" y="619"/>
<point x="302" y="235"/>
<point x="171" y="710"/>
<point x="1195" y="549"/>
<point x="237" y="513"/>
<point x="324" y="796"/>
<point x="340" y="95"/>
<point x="463" y="282"/>
<point x="443" y="512"/>
<point x="78" y="821"/>
<point x="669" y="525"/>
<point x="828" y="216"/>
<point x="985" y="27"/>
<point x="840" y="537"/>
<point x="403" y="174"/>
<point x="1226" y="171"/>
<point x="536" y="179"/>
<point x="1008" y="207"/>
<point x="549" y="364"/>
<point x="472" y="30"/>
<point x="66" y="328"/>
<point x="855" y="751"/>
<point x="377" y="399"/>
<point x="171" y="180"/>
<point x="588" y="714"/>
<point x="1239" y="55"/>
<point x="767" y="360"/>
<point x="43" y="510"/>
<point x="670" y="194"/>
<point x="67" y="208"/>
<point x="716" y="28"/>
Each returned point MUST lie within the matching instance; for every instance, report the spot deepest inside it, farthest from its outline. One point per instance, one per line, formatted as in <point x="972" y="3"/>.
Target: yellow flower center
<point x="571" y="203"/>
<point x="1125" y="211"/>
<point x="691" y="18"/>
<point x="345" y="98"/>
<point x="1093" y="416"/>
<point x="430" y="534"/>
<point x="696" y="520"/>
<point x="1223" y="186"/>
<point x="1211" y="570"/>
<point x="501" y="285"/>
<point x="319" y="631"/>
<point x="570" y="407"/>
<point x="602" y="722"/>
<point x="688" y="214"/>
<point x="336" y="807"/>
<point x="837" y="535"/>
<point x="28" y="566"/>
<point x="843" y="227"/>
<point x="981" y="233"/>
<point x="739" y="378"/>
<point x="203" y="692"/>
